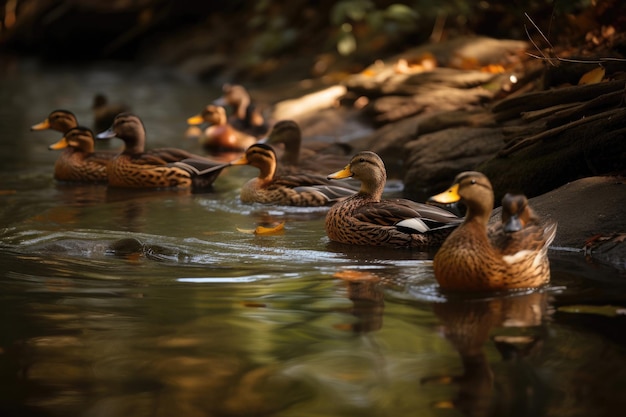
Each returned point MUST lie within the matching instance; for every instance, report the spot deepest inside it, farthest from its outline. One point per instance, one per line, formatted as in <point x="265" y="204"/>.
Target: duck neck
<point x="373" y="189"/>
<point x="135" y="144"/>
<point x="480" y="212"/>
<point x="267" y="172"/>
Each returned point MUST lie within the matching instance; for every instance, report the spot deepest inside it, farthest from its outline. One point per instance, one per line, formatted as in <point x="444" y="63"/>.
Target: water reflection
<point x="468" y="324"/>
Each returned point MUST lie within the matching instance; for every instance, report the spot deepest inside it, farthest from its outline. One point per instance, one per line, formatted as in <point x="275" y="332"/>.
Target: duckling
<point x="366" y="219"/>
<point x="59" y="120"/>
<point x="292" y="190"/>
<point x="78" y="162"/>
<point x="511" y="256"/>
<point x="104" y="112"/>
<point x="246" y="117"/>
<point x="220" y="135"/>
<point x="313" y="157"/>
<point x="135" y="167"/>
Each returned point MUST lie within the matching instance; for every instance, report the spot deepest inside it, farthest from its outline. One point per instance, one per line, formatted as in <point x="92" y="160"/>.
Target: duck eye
<point x="473" y="182"/>
<point x="362" y="160"/>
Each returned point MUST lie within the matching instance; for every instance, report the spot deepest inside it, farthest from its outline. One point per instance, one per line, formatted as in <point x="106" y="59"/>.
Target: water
<point x="119" y="303"/>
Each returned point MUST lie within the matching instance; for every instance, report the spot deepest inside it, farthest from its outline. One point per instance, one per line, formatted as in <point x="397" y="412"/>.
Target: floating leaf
<point x="356" y="276"/>
<point x="262" y="230"/>
<point x="592" y="77"/>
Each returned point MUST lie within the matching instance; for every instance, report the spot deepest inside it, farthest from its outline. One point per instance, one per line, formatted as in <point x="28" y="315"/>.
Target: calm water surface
<point x="122" y="303"/>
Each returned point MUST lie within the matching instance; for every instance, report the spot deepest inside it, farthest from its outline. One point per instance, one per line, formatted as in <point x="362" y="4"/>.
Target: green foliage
<point x="396" y="19"/>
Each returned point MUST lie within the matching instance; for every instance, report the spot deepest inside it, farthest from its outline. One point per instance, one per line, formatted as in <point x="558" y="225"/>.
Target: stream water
<point x="117" y="303"/>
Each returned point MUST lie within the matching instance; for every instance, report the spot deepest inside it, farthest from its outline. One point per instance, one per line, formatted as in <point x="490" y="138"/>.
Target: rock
<point x="433" y="160"/>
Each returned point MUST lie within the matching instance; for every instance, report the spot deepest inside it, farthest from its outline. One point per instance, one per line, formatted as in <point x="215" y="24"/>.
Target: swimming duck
<point x="366" y="219"/>
<point x="313" y="157"/>
<point x="245" y="117"/>
<point x="510" y="256"/>
<point x="135" y="167"/>
<point x="220" y="135"/>
<point x="293" y="190"/>
<point x="59" y="120"/>
<point x="104" y="112"/>
<point x="78" y="162"/>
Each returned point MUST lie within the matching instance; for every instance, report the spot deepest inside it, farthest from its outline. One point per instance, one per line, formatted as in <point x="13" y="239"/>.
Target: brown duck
<point x="512" y="255"/>
<point x="366" y="219"/>
<point x="312" y="156"/>
<point x="135" y="167"/>
<point x="292" y="190"/>
<point x="220" y="135"/>
<point x="79" y="162"/>
<point x="104" y="112"/>
<point x="245" y="118"/>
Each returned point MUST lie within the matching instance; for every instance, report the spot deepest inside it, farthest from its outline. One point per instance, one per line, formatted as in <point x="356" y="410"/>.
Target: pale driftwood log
<point x="408" y="85"/>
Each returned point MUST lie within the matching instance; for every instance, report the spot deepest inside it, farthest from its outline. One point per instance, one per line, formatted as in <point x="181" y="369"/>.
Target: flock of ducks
<point x="472" y="254"/>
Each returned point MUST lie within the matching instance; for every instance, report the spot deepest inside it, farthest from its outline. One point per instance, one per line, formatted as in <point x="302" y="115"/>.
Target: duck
<point x="136" y="167"/>
<point x="367" y="219"/>
<point x="220" y="135"/>
<point x="477" y="258"/>
<point x="304" y="190"/>
<point x="60" y="120"/>
<point x="314" y="157"/>
<point x="104" y="112"/>
<point x="245" y="117"/>
<point x="79" y="162"/>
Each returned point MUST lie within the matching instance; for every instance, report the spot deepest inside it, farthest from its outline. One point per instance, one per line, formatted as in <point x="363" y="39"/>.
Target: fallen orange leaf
<point x="592" y="77"/>
<point x="350" y="275"/>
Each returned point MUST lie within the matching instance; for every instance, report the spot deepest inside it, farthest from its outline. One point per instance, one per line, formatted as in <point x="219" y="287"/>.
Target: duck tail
<point x="203" y="172"/>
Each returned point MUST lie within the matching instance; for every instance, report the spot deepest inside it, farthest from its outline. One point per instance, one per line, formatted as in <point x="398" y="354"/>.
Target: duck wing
<point x="167" y="155"/>
<point x="332" y="193"/>
<point x="407" y="215"/>
<point x="301" y="179"/>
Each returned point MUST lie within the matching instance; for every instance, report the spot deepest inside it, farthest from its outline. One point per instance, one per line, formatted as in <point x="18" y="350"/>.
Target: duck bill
<point x="195" y="120"/>
<point x="344" y="173"/>
<point x="41" y="126"/>
<point x="62" y="144"/>
<point x="451" y="195"/>
<point x="513" y="224"/>
<point x="241" y="161"/>
<point x="107" y="134"/>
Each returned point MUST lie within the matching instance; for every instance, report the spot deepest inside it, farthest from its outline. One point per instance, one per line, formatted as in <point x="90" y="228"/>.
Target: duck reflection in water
<point x="368" y="300"/>
<point x="514" y="324"/>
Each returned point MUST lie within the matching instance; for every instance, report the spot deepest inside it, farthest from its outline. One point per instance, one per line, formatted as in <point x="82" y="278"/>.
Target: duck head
<point x="260" y="156"/>
<point x="130" y="129"/>
<point x="368" y="168"/>
<point x="79" y="138"/>
<point x="473" y="189"/>
<point x="59" y="120"/>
